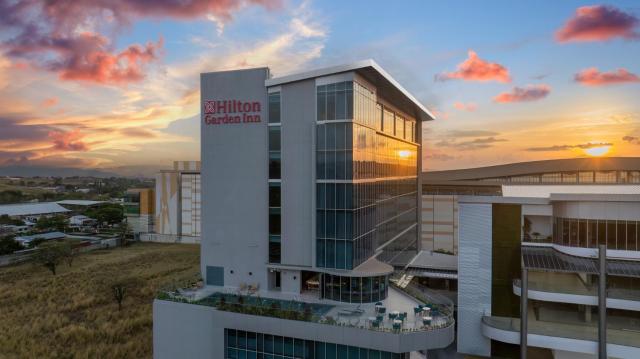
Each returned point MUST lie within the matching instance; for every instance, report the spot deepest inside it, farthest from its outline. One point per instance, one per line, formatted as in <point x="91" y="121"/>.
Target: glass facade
<point x="366" y="178"/>
<point x="275" y="203"/>
<point x="589" y="233"/>
<point x="621" y="176"/>
<point x="353" y="289"/>
<point x="241" y="344"/>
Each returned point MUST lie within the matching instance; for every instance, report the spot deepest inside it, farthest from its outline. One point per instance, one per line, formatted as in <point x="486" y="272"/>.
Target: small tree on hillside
<point x="50" y="254"/>
<point x="121" y="289"/>
<point x="9" y="245"/>
<point x="123" y="231"/>
<point x="69" y="251"/>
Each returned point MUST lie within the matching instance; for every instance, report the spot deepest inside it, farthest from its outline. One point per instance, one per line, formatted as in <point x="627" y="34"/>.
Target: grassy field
<point x="74" y="315"/>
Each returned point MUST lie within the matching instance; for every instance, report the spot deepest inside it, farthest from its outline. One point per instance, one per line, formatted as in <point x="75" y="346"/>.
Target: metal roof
<point x="534" y="167"/>
<point x="386" y="85"/>
<point x="45" y="236"/>
<point x="575" y="192"/>
<point x="26" y="209"/>
<point x="79" y="202"/>
<point x="550" y="260"/>
<point x="434" y="260"/>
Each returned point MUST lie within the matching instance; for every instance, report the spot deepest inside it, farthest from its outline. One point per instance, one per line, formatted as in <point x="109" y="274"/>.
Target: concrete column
<point x="524" y="292"/>
<point x="602" y="303"/>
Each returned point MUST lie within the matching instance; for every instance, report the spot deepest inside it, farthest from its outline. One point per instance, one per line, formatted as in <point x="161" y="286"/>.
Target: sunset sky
<point x="105" y="84"/>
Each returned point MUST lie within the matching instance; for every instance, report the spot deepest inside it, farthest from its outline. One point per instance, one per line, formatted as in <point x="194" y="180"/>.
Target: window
<point x="275" y="200"/>
<point x="274" y="107"/>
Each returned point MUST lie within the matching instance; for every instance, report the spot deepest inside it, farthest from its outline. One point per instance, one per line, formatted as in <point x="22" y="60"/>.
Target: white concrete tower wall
<point x="234" y="153"/>
<point x="474" y="277"/>
<point x="298" y="121"/>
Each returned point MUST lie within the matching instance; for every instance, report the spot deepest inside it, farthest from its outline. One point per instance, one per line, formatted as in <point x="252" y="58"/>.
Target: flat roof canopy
<point x="550" y="260"/>
<point x="387" y="86"/>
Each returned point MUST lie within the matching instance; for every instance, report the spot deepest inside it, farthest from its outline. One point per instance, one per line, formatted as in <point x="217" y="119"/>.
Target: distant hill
<point x="148" y="171"/>
<point x="46" y="171"/>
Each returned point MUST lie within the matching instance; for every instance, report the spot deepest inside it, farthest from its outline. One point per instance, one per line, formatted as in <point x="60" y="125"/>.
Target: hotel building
<point x="311" y="207"/>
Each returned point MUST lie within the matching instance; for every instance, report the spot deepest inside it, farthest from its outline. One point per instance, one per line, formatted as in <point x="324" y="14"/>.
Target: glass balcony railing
<point x="364" y="316"/>
<point x="627" y="336"/>
<point x="577" y="287"/>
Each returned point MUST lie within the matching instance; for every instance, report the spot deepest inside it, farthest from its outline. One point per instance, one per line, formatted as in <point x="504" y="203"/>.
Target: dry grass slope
<point x="74" y="314"/>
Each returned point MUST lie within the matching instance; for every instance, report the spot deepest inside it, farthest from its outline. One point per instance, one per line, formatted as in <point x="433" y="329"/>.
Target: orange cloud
<point x="524" y="94"/>
<point x="68" y="141"/>
<point x="470" y="107"/>
<point x="50" y="101"/>
<point x="593" y="77"/>
<point x="477" y="69"/>
<point x="598" y="23"/>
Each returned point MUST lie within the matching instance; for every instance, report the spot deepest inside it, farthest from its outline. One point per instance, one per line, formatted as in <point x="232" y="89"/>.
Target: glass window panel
<point x="330" y="169"/>
<point x="321" y="162"/>
<point x="340" y="255"/>
<point x="274" y="221"/>
<point x="621" y="235"/>
<point x="331" y="350"/>
<point x="288" y="346"/>
<point x="278" y="344"/>
<point x="274" y="194"/>
<point x="320" y="137"/>
<point x="331" y="106"/>
<point x="341" y="105"/>
<point x="331" y="253"/>
<point x="343" y="352"/>
<point x="611" y="235"/>
<point x="274" y="165"/>
<point x="274" y="107"/>
<point x="320" y="253"/>
<point x="251" y="341"/>
<point x="340" y="165"/>
<point x="268" y="343"/>
<point x="322" y="106"/>
<point x="274" y="138"/>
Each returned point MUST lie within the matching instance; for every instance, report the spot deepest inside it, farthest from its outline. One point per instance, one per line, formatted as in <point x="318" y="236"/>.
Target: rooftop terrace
<point x="401" y="311"/>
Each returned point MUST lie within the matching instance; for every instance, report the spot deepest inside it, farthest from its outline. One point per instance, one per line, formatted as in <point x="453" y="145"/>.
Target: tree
<point x="5" y="219"/>
<point x="119" y="291"/>
<point x="50" y="254"/>
<point x="123" y="231"/>
<point x="122" y="288"/>
<point x="110" y="213"/>
<point x="9" y="245"/>
<point x="69" y="251"/>
<point x="58" y="222"/>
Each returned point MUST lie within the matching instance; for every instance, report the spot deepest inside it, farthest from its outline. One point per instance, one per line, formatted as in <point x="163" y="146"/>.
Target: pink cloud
<point x="50" y="101"/>
<point x="68" y="141"/>
<point x="44" y="34"/>
<point x="524" y="94"/>
<point x="470" y="107"/>
<point x="477" y="69"/>
<point x="96" y="64"/>
<point x="598" y="23"/>
<point x="593" y="77"/>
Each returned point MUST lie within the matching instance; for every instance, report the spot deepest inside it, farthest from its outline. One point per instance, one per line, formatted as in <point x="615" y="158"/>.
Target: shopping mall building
<point x="311" y="200"/>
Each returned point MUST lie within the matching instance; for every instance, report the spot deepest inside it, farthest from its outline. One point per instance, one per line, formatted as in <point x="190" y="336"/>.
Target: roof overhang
<point x="387" y="86"/>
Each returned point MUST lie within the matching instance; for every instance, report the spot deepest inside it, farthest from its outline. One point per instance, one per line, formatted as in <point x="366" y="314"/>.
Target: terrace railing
<point x="291" y="310"/>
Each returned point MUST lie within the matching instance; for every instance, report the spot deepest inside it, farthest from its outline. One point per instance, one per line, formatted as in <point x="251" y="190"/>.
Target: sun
<point x="597" y="151"/>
